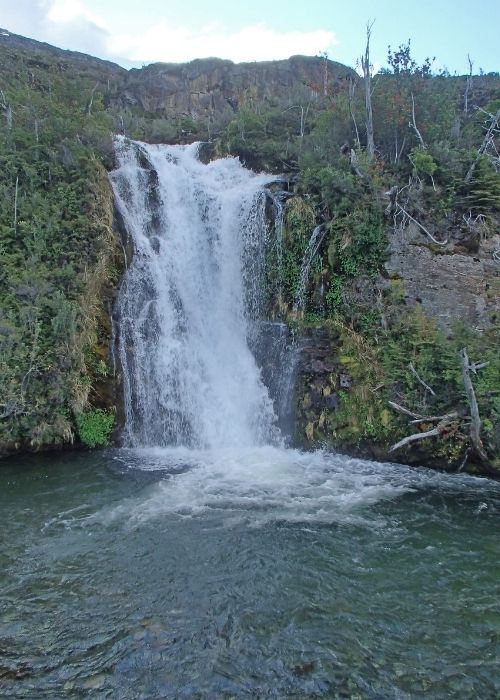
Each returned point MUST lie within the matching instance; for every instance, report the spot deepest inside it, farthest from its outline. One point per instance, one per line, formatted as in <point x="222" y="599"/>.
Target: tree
<point x="365" y="65"/>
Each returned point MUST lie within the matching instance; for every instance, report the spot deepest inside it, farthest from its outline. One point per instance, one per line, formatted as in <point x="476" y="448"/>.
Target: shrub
<point x="94" y="427"/>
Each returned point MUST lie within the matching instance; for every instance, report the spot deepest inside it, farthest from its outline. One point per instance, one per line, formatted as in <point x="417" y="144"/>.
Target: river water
<point x="259" y="573"/>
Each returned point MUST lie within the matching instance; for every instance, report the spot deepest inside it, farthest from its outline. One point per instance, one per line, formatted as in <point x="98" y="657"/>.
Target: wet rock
<point x="95" y="682"/>
<point x="304" y="668"/>
<point x="345" y="380"/>
<point x="332" y="401"/>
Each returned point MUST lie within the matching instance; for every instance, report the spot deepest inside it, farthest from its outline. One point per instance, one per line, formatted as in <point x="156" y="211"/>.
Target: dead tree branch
<point x="366" y="67"/>
<point x="413" y="123"/>
<point x="419" y="418"/>
<point x="495" y="118"/>
<point x="468" y="85"/>
<point x="4" y="104"/>
<point x="404" y="410"/>
<point x="352" y="87"/>
<point x="355" y="163"/>
<point x="15" y="203"/>
<point x="419" y="378"/>
<point x="88" y="108"/>
<point x="441" y="427"/>
<point x="464" y="460"/>
<point x="421" y="226"/>
<point x="475" y="426"/>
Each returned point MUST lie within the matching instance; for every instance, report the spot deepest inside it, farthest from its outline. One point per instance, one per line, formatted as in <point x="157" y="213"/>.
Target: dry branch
<point x="404" y="410"/>
<point x="365" y="65"/>
<point x="4" y="104"/>
<point x="415" y="373"/>
<point x="421" y="226"/>
<point x="468" y="85"/>
<point x="475" y="426"/>
<point x="413" y="123"/>
<point x="443" y="425"/>
<point x="413" y="438"/>
<point x="495" y="118"/>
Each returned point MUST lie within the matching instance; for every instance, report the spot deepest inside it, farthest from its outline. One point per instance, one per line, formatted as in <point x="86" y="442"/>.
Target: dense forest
<point x="397" y="169"/>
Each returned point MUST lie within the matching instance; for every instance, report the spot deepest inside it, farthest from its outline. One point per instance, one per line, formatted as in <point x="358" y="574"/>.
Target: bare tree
<point x="413" y="123"/>
<point x="475" y="426"/>
<point x="15" y="203"/>
<point x="493" y="130"/>
<point x="468" y="85"/>
<point x="325" y="73"/>
<point x="88" y="107"/>
<point x="365" y="65"/>
<point x="5" y="106"/>
<point x="352" y="87"/>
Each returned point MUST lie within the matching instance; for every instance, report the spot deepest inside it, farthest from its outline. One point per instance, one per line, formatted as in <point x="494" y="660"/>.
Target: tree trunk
<point x="475" y="426"/>
<point x="365" y="65"/>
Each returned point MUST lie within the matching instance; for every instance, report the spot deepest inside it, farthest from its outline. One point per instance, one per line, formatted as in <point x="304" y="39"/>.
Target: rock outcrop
<point x="207" y="87"/>
<point x="200" y="89"/>
<point x="450" y="284"/>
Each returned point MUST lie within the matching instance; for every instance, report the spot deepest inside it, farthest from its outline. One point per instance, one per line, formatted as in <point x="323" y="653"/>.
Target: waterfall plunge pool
<point x="262" y="573"/>
<point x="245" y="570"/>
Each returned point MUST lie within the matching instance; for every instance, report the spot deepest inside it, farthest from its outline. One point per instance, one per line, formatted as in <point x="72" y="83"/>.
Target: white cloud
<point x="67" y="11"/>
<point x="259" y="42"/>
<point x="69" y="24"/>
<point x="64" y="23"/>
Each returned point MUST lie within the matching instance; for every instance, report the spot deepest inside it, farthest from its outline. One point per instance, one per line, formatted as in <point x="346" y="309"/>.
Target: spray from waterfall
<point x="190" y="301"/>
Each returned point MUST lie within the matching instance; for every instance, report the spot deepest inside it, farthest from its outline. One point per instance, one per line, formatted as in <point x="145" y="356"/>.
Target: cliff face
<point x="208" y="87"/>
<point x="200" y="89"/>
<point x="450" y="283"/>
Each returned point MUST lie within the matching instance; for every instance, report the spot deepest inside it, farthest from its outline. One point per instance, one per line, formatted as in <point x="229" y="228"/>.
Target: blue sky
<point x="136" y="33"/>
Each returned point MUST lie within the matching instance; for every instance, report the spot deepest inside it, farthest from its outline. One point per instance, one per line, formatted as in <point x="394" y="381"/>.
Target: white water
<point x="312" y="248"/>
<point x="197" y="409"/>
<point x="189" y="303"/>
<point x="257" y="486"/>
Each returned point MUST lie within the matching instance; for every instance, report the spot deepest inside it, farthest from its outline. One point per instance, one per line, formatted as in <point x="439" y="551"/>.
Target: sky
<point x="138" y="32"/>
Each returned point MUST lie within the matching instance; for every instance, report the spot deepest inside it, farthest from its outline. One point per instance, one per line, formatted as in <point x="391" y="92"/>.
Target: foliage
<point x="422" y="161"/>
<point x="94" y="427"/>
<point x="57" y="246"/>
<point x="284" y="258"/>
<point x="387" y="370"/>
<point x="483" y="192"/>
<point x="401" y="61"/>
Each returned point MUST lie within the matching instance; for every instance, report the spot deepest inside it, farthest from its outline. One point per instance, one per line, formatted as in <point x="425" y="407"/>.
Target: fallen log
<point x="441" y="427"/>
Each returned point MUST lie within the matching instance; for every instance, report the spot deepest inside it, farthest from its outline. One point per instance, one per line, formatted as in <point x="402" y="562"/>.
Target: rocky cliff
<point x="206" y="88"/>
<point x="201" y="89"/>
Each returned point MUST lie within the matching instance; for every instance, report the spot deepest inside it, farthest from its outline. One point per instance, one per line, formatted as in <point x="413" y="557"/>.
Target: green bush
<point x="94" y="427"/>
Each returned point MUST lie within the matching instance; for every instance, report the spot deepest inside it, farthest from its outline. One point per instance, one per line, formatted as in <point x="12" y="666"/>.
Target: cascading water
<point x="189" y="303"/>
<point x="312" y="248"/>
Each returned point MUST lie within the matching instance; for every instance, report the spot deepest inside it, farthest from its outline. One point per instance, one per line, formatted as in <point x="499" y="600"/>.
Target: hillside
<point x="404" y="277"/>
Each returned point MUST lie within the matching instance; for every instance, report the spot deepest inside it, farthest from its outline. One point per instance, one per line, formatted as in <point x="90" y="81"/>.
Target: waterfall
<point x="278" y="202"/>
<point x="189" y="304"/>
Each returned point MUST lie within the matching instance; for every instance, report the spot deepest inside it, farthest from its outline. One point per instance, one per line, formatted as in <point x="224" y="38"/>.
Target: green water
<point x="256" y="574"/>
